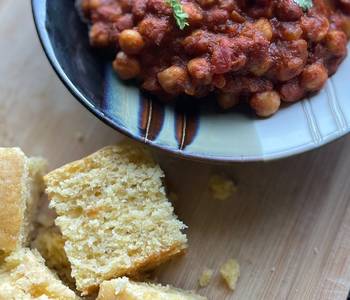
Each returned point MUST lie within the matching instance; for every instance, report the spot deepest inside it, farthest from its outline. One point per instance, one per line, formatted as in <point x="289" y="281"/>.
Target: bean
<point x="265" y="104"/>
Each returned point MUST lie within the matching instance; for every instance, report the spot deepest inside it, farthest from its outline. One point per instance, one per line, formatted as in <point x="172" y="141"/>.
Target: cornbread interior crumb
<point x="205" y="277"/>
<point x="230" y="273"/>
<point x="124" y="289"/>
<point x="50" y="243"/>
<point x="221" y="187"/>
<point x="24" y="276"/>
<point x="114" y="215"/>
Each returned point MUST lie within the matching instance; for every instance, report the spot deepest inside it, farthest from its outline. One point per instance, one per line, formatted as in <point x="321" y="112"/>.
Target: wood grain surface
<point x="288" y="224"/>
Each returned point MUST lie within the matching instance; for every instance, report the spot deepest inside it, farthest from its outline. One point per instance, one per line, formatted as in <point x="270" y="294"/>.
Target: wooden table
<point x="288" y="224"/>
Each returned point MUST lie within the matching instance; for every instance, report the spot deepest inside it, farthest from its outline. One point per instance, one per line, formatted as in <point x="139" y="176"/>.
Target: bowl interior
<point x="189" y="128"/>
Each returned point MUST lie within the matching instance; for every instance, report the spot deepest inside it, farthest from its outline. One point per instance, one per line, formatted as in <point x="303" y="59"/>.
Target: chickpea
<point x="130" y="41"/>
<point x="219" y="81"/>
<point x="190" y="90"/>
<point x="236" y="17"/>
<point x="288" y="10"/>
<point x="261" y="68"/>
<point x="158" y="7"/>
<point x="90" y="4"/>
<point x="290" y="31"/>
<point x="126" y="67"/>
<point x="261" y="26"/>
<point x="333" y="63"/>
<point x="151" y="84"/>
<point x="199" y="68"/>
<point x="95" y="3"/>
<point x="193" y="11"/>
<point x="265" y="104"/>
<point x="197" y="43"/>
<point x="206" y="3"/>
<point x="264" y="27"/>
<point x="85" y="5"/>
<point x="123" y="22"/>
<point x="336" y="42"/>
<point x="227" y="100"/>
<point x="248" y="29"/>
<point x="173" y="79"/>
<point x="154" y="29"/>
<point x="106" y="13"/>
<point x="292" y="91"/>
<point x="314" y="77"/>
<point x="216" y="16"/>
<point x="99" y="35"/>
<point x="292" y="57"/>
<point x="261" y="8"/>
<point x="346" y="26"/>
<point x="315" y="28"/>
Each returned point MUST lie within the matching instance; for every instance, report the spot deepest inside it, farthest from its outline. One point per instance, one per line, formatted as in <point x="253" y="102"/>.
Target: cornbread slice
<point x="114" y="215"/>
<point x="124" y="289"/>
<point x="24" y="276"/>
<point x="230" y="273"/>
<point x="21" y="185"/>
<point x="50" y="244"/>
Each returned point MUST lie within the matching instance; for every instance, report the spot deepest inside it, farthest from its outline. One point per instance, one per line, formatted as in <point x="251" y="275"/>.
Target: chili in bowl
<point x="260" y="52"/>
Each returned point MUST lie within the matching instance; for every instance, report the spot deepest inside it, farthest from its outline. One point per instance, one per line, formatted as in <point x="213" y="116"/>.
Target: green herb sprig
<point x="304" y="4"/>
<point x="180" y="16"/>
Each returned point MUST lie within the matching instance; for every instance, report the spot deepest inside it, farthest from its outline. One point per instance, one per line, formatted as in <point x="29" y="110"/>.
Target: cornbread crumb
<point x="221" y="187"/>
<point x="205" y="277"/>
<point x="50" y="243"/>
<point x="24" y="276"/>
<point x="230" y="273"/>
<point x="114" y="215"/>
<point x="124" y="289"/>
<point x="21" y="185"/>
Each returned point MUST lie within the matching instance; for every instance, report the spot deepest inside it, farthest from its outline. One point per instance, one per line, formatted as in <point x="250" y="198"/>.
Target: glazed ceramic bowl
<point x="189" y="128"/>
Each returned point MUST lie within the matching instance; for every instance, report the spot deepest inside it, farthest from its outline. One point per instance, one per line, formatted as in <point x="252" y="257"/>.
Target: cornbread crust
<point x="50" y="243"/>
<point x="24" y="276"/>
<point x="114" y="215"/>
<point x="20" y="188"/>
<point x="124" y="289"/>
<point x="153" y="261"/>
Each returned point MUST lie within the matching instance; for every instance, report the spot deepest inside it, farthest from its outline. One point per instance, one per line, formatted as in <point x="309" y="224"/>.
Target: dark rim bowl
<point x="48" y="38"/>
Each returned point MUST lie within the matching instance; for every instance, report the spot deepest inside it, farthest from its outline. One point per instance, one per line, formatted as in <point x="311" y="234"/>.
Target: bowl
<point x="189" y="128"/>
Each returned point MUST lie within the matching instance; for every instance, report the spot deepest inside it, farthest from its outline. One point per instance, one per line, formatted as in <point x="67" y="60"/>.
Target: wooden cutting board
<point x="288" y="224"/>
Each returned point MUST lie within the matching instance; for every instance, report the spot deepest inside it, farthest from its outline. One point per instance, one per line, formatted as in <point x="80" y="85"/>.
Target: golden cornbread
<point x="114" y="215"/>
<point x="50" y="243"/>
<point x="124" y="289"/>
<point x="21" y="185"/>
<point x="24" y="276"/>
